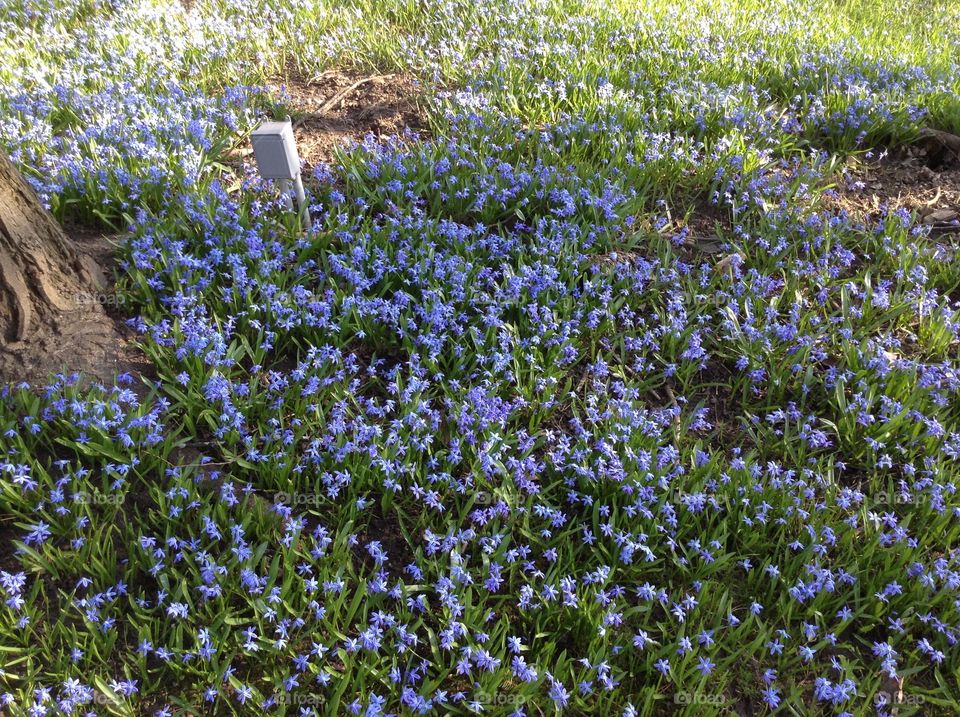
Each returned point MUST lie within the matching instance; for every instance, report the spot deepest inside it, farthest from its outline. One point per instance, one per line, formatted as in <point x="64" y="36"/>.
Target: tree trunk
<point x="51" y="317"/>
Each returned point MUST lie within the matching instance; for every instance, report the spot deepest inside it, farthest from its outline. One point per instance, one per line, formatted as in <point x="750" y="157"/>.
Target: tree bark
<point x="49" y="291"/>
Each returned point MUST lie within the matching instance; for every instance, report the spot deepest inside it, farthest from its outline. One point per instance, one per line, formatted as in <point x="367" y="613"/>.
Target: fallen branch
<point x="340" y="96"/>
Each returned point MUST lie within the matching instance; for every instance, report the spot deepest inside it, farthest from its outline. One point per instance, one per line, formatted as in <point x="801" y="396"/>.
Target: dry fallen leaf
<point x="727" y="262"/>
<point x="940" y="215"/>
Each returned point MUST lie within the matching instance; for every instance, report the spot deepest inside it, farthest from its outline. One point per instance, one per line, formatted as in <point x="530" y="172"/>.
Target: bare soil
<point x="94" y="339"/>
<point x="913" y="178"/>
<point x="338" y="107"/>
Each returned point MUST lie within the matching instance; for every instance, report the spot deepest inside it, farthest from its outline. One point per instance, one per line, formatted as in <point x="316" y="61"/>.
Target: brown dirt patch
<point x="702" y="226"/>
<point x="384" y="526"/>
<point x="706" y="227"/>
<point x="8" y="551"/>
<point x="122" y="356"/>
<point x="94" y="340"/>
<point x="337" y="107"/>
<point x="912" y="178"/>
